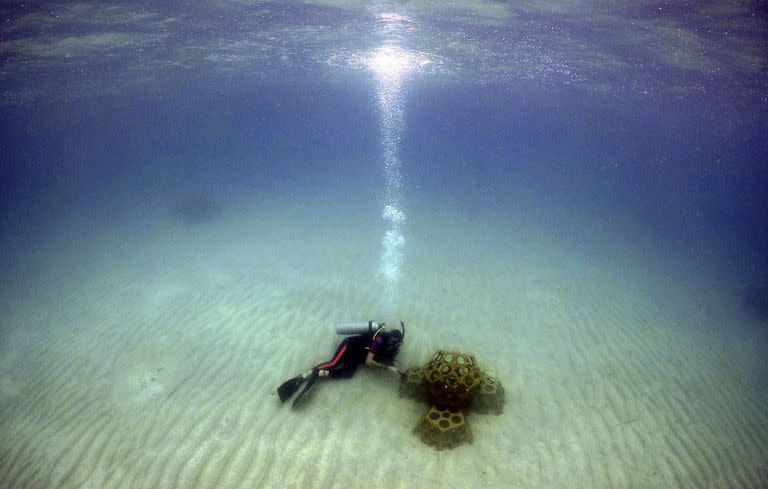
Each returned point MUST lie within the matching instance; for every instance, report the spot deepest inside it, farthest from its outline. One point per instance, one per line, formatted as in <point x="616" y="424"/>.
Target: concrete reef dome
<point x="451" y="383"/>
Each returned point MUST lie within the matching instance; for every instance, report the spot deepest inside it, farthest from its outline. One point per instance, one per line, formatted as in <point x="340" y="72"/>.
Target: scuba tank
<point x="346" y="329"/>
<point x="369" y="327"/>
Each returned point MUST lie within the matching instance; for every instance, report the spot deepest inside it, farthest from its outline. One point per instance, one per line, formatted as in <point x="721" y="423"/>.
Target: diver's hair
<point x="392" y="341"/>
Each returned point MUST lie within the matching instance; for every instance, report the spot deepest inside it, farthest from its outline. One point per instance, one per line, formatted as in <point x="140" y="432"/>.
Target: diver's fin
<point x="311" y="380"/>
<point x="289" y="388"/>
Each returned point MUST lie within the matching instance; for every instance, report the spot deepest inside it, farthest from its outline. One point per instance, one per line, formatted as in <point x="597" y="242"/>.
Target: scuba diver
<point x="370" y="345"/>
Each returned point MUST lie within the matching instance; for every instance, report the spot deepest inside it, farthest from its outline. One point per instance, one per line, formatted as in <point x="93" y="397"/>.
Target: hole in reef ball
<point x="444" y="424"/>
<point x="456" y="419"/>
<point x="445" y="414"/>
<point x="433" y="416"/>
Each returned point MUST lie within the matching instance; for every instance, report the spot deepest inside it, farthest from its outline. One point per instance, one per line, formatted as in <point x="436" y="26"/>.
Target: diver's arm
<point x="370" y="362"/>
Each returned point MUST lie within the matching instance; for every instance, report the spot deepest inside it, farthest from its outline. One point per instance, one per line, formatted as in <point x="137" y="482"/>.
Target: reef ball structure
<point x="443" y="428"/>
<point x="451" y="382"/>
<point x="452" y="379"/>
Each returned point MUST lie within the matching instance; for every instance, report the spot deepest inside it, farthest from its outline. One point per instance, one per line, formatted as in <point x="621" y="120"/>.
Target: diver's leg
<point x="336" y="357"/>
<point x="321" y="370"/>
<point x="343" y="371"/>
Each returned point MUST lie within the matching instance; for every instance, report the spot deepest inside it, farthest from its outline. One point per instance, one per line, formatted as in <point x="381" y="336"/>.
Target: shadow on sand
<point x="196" y="209"/>
<point x="756" y="301"/>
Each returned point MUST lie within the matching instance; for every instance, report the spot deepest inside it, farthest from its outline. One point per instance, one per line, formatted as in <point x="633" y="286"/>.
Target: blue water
<point x="687" y="169"/>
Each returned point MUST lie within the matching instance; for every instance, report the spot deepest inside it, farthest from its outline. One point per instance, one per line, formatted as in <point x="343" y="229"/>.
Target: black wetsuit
<point x="351" y="353"/>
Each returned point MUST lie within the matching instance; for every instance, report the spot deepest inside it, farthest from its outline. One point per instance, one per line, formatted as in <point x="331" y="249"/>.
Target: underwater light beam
<point x="391" y="65"/>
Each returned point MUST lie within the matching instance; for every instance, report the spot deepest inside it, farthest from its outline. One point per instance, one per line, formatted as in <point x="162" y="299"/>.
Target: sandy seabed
<point x="150" y="359"/>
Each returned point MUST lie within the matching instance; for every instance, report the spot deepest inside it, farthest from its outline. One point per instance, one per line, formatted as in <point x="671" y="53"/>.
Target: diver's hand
<point x="394" y="369"/>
